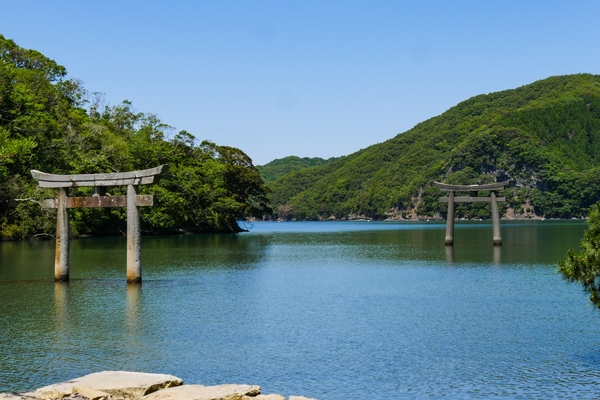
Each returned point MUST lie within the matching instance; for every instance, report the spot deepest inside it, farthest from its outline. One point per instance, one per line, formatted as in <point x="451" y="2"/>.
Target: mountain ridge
<point x="281" y="166"/>
<point x="544" y="137"/>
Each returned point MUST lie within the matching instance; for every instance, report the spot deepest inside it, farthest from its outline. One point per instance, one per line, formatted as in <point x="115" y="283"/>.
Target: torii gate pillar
<point x="61" y="255"/>
<point x="473" y="189"/>
<point x="134" y="255"/>
<point x="449" y="241"/>
<point x="495" y="221"/>
<point x="99" y="181"/>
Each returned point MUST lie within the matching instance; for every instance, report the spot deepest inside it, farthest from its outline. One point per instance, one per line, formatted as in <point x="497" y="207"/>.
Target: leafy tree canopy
<point x="584" y="266"/>
<point x="282" y="166"/>
<point x="51" y="123"/>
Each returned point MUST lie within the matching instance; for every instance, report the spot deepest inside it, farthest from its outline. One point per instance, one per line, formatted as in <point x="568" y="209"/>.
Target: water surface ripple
<point x="332" y="310"/>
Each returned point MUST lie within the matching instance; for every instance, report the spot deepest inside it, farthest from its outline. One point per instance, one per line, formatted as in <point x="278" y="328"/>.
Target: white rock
<point x="200" y="392"/>
<point x="129" y="385"/>
<point x="266" y="397"/>
<point x="91" y="393"/>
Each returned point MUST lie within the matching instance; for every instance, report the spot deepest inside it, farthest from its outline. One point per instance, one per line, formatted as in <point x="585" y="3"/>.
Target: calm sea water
<point x="332" y="310"/>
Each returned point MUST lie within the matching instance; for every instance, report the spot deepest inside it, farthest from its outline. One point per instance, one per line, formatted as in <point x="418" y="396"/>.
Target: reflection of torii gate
<point x="100" y="181"/>
<point x="450" y="199"/>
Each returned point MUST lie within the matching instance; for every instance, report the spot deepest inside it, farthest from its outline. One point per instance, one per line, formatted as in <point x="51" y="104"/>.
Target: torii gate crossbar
<point x="473" y="189"/>
<point x="99" y="181"/>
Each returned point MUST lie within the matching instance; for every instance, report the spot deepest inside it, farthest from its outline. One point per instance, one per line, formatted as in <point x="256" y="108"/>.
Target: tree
<point x="584" y="266"/>
<point x="50" y="123"/>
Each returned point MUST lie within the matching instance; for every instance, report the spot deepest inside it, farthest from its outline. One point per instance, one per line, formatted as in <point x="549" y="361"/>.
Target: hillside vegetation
<point x="50" y="123"/>
<point x="543" y="137"/>
<point x="282" y="166"/>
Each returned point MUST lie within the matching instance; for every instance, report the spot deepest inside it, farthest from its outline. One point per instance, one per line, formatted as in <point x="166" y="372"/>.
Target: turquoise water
<point x="332" y="310"/>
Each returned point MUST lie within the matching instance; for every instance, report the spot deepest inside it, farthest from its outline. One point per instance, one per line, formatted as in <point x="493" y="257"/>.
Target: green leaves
<point x="11" y="148"/>
<point x="24" y="59"/>
<point x="44" y="126"/>
<point x="583" y="267"/>
<point x="282" y="166"/>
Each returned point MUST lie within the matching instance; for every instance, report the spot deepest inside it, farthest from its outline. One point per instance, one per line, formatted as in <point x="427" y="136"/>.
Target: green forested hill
<point x="543" y="137"/>
<point x="50" y="123"/>
<point x="282" y="166"/>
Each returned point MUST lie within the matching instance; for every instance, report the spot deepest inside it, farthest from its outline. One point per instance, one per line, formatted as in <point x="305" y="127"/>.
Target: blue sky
<point x="306" y="78"/>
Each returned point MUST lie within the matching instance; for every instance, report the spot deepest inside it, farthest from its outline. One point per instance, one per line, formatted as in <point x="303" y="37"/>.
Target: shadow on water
<point x="26" y="260"/>
<point x="172" y="257"/>
<point x="105" y="258"/>
<point x="524" y="242"/>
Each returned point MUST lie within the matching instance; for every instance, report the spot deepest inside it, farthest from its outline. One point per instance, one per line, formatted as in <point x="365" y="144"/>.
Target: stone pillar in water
<point x="497" y="255"/>
<point x="495" y="221"/>
<point x="61" y="256"/>
<point x="134" y="259"/>
<point x="450" y="254"/>
<point x="450" y="221"/>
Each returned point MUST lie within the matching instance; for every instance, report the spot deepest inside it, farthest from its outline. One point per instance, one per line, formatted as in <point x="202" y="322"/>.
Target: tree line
<point x="49" y="122"/>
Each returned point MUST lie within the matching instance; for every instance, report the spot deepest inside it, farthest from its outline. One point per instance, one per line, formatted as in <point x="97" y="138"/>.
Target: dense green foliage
<point x="50" y="123"/>
<point x="543" y="137"/>
<point x="282" y="166"/>
<point x="584" y="266"/>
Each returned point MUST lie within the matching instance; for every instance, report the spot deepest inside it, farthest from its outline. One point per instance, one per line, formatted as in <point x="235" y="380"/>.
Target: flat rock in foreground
<point x="200" y="392"/>
<point x="129" y="385"/>
<point x="18" y="396"/>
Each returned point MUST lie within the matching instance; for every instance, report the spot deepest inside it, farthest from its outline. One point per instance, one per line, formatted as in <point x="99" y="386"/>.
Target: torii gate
<point x="493" y="199"/>
<point x="100" y="181"/>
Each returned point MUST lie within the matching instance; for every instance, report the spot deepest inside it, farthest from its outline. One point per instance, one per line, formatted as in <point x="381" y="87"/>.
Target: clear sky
<point x="307" y="78"/>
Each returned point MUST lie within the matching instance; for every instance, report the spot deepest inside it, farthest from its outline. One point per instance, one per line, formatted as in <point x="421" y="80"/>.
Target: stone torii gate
<point x="99" y="181"/>
<point x="473" y="189"/>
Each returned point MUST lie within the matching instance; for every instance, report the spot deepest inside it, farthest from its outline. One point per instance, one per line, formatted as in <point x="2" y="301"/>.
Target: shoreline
<point x="127" y="385"/>
<point x="420" y="219"/>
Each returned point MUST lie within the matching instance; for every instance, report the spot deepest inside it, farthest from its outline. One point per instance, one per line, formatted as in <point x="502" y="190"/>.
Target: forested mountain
<point x="543" y="137"/>
<point x="282" y="166"/>
<point x="50" y="123"/>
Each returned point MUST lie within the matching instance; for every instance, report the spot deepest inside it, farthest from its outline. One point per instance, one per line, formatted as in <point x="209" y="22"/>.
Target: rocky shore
<point x="124" y="385"/>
